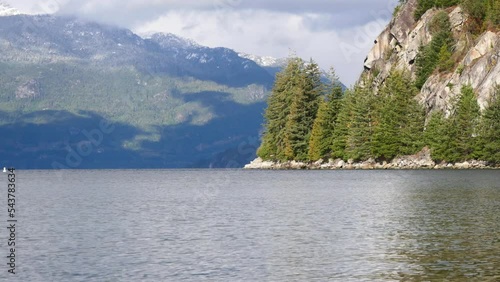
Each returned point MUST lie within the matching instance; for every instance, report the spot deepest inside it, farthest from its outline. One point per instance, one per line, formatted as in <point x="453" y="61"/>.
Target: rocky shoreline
<point x="421" y="160"/>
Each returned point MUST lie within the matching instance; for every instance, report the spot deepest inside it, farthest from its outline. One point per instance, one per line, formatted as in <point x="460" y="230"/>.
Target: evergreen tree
<point x="360" y="131"/>
<point x="386" y="143"/>
<point x="400" y="118"/>
<point x="318" y="146"/>
<point x="424" y="5"/>
<point x="430" y="56"/>
<point x="335" y="97"/>
<point x="437" y="137"/>
<point x="445" y="62"/>
<point x="278" y="110"/>
<point x="493" y="12"/>
<point x="465" y="123"/>
<point x="475" y="8"/>
<point x="302" y="113"/>
<point x="489" y="145"/>
<point x="325" y="123"/>
<point x="476" y="11"/>
<point x="342" y="124"/>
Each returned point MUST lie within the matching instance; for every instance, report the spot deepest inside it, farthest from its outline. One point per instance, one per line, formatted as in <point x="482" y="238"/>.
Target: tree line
<point x="308" y="120"/>
<point x="483" y="13"/>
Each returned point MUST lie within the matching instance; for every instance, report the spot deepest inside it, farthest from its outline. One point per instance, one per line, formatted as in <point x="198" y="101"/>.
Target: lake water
<point x="234" y="225"/>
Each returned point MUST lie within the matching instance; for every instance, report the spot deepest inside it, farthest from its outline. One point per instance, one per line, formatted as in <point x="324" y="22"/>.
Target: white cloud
<point x="272" y="33"/>
<point x="333" y="32"/>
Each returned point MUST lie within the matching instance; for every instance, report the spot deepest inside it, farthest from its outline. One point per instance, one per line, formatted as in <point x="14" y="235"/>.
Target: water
<point x="217" y="225"/>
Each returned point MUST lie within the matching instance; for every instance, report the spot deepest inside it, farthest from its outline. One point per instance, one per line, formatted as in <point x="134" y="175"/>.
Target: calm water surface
<point x="233" y="225"/>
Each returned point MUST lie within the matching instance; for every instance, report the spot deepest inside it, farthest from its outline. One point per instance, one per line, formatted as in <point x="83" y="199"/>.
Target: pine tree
<point x="297" y="128"/>
<point x="489" y="141"/>
<point x="324" y="125"/>
<point x="318" y="147"/>
<point x="476" y="11"/>
<point x="303" y="111"/>
<point x="424" y="5"/>
<point x="360" y="131"/>
<point x="278" y="110"/>
<point x="399" y="120"/>
<point x="493" y="12"/>
<point x="386" y="143"/>
<point x="342" y="124"/>
<point x="465" y="123"/>
<point x="437" y="137"/>
<point x="445" y="62"/>
<point x="429" y="55"/>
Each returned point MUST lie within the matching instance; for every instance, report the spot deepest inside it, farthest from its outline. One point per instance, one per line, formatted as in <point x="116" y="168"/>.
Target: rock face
<point x="398" y="45"/>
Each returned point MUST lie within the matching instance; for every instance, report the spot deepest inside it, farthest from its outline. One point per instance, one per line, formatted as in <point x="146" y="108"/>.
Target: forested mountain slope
<point x="172" y="102"/>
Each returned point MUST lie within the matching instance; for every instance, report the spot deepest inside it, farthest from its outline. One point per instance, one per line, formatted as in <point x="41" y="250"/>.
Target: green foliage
<point x="437" y="137"/>
<point x="290" y="115"/>
<point x="424" y="5"/>
<point x="440" y="22"/>
<point x="360" y="131"/>
<point x="445" y="62"/>
<point x="278" y="109"/>
<point x="119" y="94"/>
<point x="343" y="122"/>
<point x="361" y="123"/>
<point x="475" y="8"/>
<point x="489" y="140"/>
<point x="437" y="52"/>
<point x="493" y="12"/>
<point x="455" y="139"/>
<point x="325" y="123"/>
<point x="400" y="119"/>
<point x="482" y="13"/>
<point x="465" y="121"/>
<point x="397" y="9"/>
<point x="318" y="144"/>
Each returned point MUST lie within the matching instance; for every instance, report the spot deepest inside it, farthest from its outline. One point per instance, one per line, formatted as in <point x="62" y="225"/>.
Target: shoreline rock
<point x="260" y="164"/>
<point x="421" y="161"/>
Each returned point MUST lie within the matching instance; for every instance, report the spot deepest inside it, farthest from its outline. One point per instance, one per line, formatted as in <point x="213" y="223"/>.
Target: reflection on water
<point x="215" y="225"/>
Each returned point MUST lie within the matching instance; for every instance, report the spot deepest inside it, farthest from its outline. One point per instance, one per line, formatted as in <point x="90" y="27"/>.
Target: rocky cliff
<point x="398" y="45"/>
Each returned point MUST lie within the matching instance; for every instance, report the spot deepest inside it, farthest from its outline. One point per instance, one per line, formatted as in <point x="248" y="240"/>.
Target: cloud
<point x="333" y="32"/>
<point x="274" y="33"/>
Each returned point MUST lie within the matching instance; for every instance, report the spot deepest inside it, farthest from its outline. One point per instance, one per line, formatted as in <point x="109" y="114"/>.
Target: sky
<point x="335" y="33"/>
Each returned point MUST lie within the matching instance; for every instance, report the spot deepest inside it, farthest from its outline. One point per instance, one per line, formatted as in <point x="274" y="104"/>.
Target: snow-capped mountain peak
<point x="264" y="61"/>
<point x="172" y="40"/>
<point x="6" y="10"/>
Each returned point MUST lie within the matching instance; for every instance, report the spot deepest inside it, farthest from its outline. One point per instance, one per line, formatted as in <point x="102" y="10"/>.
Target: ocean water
<point x="235" y="225"/>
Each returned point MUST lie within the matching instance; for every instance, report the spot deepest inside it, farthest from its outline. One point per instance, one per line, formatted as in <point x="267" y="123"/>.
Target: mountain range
<point x="170" y="102"/>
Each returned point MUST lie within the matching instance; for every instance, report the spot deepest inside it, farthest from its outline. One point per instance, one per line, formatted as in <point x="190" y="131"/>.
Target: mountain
<point x="170" y="102"/>
<point x="474" y="54"/>
<point x="275" y="65"/>
<point x="265" y="61"/>
<point x="271" y="64"/>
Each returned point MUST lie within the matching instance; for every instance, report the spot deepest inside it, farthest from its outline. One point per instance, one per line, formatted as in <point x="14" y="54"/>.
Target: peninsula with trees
<point x="428" y="98"/>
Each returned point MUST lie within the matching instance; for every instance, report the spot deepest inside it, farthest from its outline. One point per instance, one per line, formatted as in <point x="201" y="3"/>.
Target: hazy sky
<point x="335" y="33"/>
